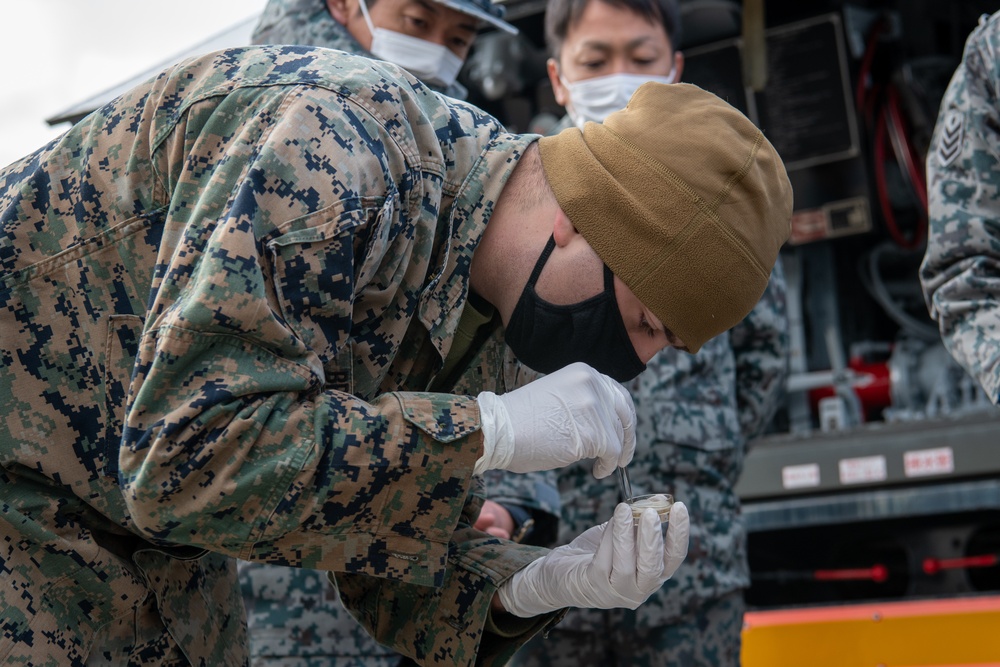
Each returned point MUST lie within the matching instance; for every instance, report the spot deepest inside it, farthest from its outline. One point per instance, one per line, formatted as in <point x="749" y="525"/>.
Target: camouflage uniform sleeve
<point x="330" y="483"/>
<point x="960" y="273"/>
<point x="452" y="624"/>
<point x="234" y="440"/>
<point x="760" y="348"/>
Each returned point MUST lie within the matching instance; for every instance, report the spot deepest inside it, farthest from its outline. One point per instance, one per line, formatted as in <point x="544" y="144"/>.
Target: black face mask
<point x="547" y="337"/>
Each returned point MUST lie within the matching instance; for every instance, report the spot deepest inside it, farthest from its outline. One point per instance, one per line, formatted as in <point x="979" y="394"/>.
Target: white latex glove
<point x="611" y="565"/>
<point x="572" y="414"/>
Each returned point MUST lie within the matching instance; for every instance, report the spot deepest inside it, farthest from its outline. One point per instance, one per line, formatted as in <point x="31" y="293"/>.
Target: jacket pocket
<point x="320" y="266"/>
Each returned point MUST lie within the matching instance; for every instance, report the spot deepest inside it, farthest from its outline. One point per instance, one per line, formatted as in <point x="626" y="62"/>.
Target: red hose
<point x="908" y="157"/>
<point x="882" y="190"/>
<point x="935" y="565"/>
<point x="880" y="108"/>
<point x="876" y="573"/>
<point x="865" y="68"/>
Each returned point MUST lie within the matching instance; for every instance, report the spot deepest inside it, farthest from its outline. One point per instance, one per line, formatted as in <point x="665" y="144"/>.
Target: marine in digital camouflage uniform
<point x="294" y="616"/>
<point x="199" y="248"/>
<point x="696" y="415"/>
<point x="960" y="273"/>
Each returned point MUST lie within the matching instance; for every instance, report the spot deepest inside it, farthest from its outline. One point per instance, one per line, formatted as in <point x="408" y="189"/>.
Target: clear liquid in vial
<point x="661" y="502"/>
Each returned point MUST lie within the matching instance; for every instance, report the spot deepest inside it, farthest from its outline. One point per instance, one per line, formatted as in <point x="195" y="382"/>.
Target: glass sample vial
<point x="661" y="502"/>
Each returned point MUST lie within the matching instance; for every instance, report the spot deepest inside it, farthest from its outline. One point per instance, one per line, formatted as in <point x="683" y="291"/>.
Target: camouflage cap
<point x="683" y="198"/>
<point x="483" y="10"/>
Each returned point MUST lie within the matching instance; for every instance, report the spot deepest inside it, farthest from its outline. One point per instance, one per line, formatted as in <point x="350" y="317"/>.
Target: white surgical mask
<point x="595" y="99"/>
<point x="429" y="62"/>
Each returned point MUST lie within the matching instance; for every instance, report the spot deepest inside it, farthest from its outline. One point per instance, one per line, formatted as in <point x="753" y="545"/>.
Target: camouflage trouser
<point x="710" y="639"/>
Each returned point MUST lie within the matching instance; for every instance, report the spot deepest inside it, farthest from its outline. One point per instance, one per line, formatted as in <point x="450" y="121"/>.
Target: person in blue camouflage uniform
<point x="960" y="273"/>
<point x="341" y="24"/>
<point x="696" y="413"/>
<point x="294" y="616"/>
<point x="227" y="298"/>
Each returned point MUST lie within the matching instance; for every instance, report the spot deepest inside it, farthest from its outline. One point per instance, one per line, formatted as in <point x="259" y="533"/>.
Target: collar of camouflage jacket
<point x="469" y="215"/>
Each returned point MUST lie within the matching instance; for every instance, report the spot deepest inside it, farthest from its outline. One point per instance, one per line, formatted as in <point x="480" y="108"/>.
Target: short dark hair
<point x="560" y="15"/>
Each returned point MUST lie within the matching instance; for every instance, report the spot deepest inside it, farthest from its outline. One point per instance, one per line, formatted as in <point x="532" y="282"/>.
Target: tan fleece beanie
<point x="683" y="198"/>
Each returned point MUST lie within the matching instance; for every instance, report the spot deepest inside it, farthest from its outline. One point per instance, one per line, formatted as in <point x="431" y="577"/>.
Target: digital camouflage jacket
<point x="222" y="298"/>
<point x="960" y="273"/>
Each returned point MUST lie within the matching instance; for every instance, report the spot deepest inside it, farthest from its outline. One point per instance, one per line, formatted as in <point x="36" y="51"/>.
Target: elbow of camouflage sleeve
<point x="143" y="483"/>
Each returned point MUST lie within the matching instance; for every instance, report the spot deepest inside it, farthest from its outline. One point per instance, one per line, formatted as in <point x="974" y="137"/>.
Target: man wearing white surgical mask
<point x="429" y="38"/>
<point x="603" y="51"/>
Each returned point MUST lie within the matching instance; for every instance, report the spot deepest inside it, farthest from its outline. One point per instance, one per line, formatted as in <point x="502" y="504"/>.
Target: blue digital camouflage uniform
<point x="295" y="619"/>
<point x="960" y="273"/>
<point x="222" y="298"/>
<point x="695" y="416"/>
<point x="308" y="23"/>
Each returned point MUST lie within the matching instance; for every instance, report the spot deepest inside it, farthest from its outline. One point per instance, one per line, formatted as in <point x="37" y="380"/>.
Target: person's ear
<point x="339" y="10"/>
<point x="678" y="66"/>
<point x="559" y="90"/>
<point x="562" y="229"/>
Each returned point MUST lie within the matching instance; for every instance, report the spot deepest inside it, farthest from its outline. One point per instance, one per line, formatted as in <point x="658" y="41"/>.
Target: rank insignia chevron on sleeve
<point x="950" y="143"/>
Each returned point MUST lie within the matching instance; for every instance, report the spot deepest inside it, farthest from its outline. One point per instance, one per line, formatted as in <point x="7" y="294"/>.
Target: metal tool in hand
<point x="626" y="485"/>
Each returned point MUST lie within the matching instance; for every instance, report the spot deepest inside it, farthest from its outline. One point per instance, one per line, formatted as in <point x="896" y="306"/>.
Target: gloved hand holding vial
<point x="616" y="564"/>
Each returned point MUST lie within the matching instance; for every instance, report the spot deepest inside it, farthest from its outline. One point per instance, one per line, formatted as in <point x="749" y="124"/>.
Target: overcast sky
<point x="56" y="53"/>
